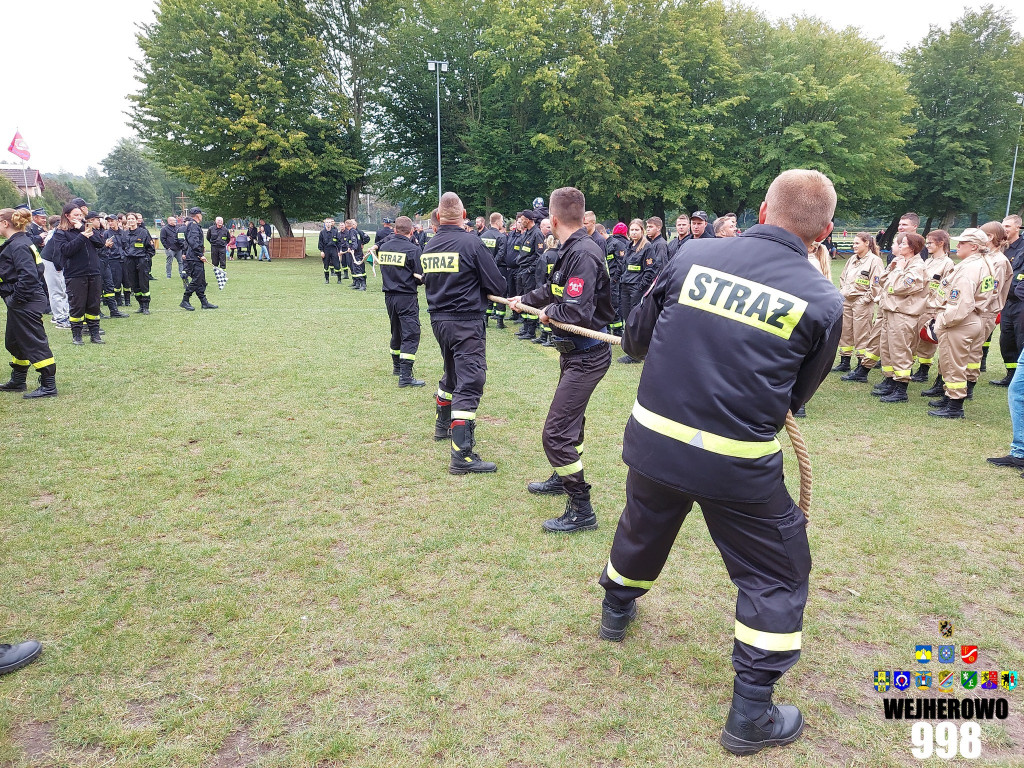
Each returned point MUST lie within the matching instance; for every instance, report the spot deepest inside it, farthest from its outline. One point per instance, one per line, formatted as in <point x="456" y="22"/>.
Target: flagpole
<point x="24" y="175"/>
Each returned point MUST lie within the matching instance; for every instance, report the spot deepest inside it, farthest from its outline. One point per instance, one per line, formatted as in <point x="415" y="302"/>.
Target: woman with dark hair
<point x="76" y="244"/>
<point x="997" y="300"/>
<point x="904" y="294"/>
<point x="139" y="249"/>
<point x="22" y="289"/>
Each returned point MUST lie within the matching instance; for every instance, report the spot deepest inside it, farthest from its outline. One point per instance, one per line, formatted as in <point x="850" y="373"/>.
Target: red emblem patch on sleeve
<point x="574" y="287"/>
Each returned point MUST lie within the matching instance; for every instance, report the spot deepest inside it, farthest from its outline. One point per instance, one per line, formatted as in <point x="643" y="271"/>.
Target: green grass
<point x="240" y="546"/>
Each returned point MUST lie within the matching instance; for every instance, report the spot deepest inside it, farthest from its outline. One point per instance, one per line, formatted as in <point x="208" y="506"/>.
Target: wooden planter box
<point x="287" y="247"/>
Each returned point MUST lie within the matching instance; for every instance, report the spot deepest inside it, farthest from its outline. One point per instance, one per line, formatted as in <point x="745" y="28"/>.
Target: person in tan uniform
<point x="860" y="277"/>
<point x="938" y="266"/>
<point x="904" y="293"/>
<point x="958" y="324"/>
<point x="996" y="300"/>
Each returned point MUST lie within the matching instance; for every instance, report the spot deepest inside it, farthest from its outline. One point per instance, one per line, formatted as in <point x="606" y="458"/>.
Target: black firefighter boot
<point x="396" y="365"/>
<point x="860" y="373"/>
<point x="405" y="377"/>
<point x="327" y="277"/>
<point x="463" y="459"/>
<point x="898" y="393"/>
<point x="76" y="334"/>
<point x="117" y="299"/>
<point x="19" y="375"/>
<point x="47" y="383"/>
<point x="754" y="722"/>
<point x="884" y="387"/>
<point x="984" y="356"/>
<point x="937" y="388"/>
<point x="128" y="299"/>
<point x="544" y="336"/>
<point x="144" y="301"/>
<point x="953" y="409"/>
<point x="578" y="515"/>
<point x="112" y="306"/>
<point x="94" y="332"/>
<point x="615" y="618"/>
<point x="921" y="374"/>
<point x="1005" y="381"/>
<point x="501" y="322"/>
<point x="844" y="364"/>
<point x="186" y="302"/>
<point x="204" y="303"/>
<point x="443" y="420"/>
<point x="550" y="487"/>
<point x="970" y="389"/>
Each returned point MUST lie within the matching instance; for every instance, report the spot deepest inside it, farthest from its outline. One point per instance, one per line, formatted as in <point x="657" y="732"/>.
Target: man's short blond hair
<point x="568" y="204"/>
<point x="403" y="225"/>
<point x="497" y="219"/>
<point x="801" y="201"/>
<point x="451" y="210"/>
<point x="1014" y="219"/>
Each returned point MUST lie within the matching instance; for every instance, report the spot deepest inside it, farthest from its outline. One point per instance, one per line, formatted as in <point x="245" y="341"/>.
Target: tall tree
<point x="965" y="80"/>
<point x="130" y="183"/>
<point x="237" y="99"/>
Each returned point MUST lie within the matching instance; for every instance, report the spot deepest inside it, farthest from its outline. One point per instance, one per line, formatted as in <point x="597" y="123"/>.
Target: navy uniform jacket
<point x="195" y="246"/>
<point x="329" y="242"/>
<point x="495" y="243"/>
<point x="615" y="252"/>
<point x="381" y="235"/>
<point x="578" y="291"/>
<point x="20" y="271"/>
<point x="530" y="245"/>
<point x="677" y="243"/>
<point x="735" y="333"/>
<point x="508" y="258"/>
<point x="138" y="244"/>
<point x="459" y="272"/>
<point x="35" y="234"/>
<point x="399" y="264"/>
<point x="218" y="237"/>
<point x="76" y="253"/>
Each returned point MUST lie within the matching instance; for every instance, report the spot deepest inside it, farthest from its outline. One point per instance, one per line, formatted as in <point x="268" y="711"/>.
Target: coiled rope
<point x="796" y="439"/>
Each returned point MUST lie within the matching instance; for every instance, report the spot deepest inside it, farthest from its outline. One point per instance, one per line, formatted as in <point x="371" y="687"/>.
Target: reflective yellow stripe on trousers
<point x="618" y="578"/>
<point x="724" y="446"/>
<point x="768" y="641"/>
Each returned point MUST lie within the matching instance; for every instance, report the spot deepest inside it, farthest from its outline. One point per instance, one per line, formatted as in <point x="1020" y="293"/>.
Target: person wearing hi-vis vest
<point x="701" y="434"/>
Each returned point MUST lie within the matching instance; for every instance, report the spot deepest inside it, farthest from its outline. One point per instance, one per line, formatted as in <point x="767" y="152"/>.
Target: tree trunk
<point x="278" y="219"/>
<point x="659" y="211"/>
<point x="947" y="219"/>
<point x="488" y="207"/>
<point x="352" y="201"/>
<point x="928" y="225"/>
<point x="974" y="219"/>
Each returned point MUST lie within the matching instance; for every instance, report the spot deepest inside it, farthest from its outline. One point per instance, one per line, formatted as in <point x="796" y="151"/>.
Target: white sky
<point x="97" y="47"/>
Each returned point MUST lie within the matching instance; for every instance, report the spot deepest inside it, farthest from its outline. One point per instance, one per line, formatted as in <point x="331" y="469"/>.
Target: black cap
<point x="388" y="221"/>
<point x="194" y="211"/>
<point x="78" y="202"/>
<point x="699" y="215"/>
<point x="527" y="214"/>
<point x="111" y="217"/>
<point x="92" y="215"/>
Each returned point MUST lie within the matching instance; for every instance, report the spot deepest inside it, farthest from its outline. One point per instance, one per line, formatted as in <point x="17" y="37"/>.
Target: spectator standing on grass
<point x="1011" y="325"/>
<point x="195" y="260"/>
<point x="1015" y="395"/>
<point x="76" y="246"/>
<point x="937" y="267"/>
<point x="857" y="284"/>
<point x="53" y="274"/>
<point x="903" y="301"/>
<point x="253" y="237"/>
<point x="172" y="238"/>
<point x="630" y="286"/>
<point x="218" y="237"/>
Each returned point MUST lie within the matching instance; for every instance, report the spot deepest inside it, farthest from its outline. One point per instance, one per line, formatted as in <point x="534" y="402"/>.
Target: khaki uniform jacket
<point x="937" y="270"/>
<point x="859" y="275"/>
<point x="965" y="291"/>
<point x="1003" y="273"/>
<point x="905" y="287"/>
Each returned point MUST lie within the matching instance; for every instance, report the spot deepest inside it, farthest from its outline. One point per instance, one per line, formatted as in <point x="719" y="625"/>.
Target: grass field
<point x="240" y="546"/>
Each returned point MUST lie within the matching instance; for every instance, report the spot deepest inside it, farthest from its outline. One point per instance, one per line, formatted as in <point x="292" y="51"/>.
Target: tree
<point x="965" y="81"/>
<point x="10" y="196"/>
<point x="238" y="100"/>
<point x="130" y="183"/>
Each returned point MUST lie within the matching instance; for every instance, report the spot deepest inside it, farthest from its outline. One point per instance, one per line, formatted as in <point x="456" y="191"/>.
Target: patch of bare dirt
<point x="239" y="750"/>
<point x="43" y="500"/>
<point x="35" y="739"/>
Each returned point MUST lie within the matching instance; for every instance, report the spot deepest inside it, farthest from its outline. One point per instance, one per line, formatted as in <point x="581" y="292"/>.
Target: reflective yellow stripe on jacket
<point x="726" y="446"/>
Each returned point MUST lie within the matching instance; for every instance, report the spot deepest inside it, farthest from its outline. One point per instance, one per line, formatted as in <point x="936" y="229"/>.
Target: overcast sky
<point x="98" y="47"/>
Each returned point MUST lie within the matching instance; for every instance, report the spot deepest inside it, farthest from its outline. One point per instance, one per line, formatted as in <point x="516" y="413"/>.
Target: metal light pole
<point x="1013" y="172"/>
<point x="438" y="67"/>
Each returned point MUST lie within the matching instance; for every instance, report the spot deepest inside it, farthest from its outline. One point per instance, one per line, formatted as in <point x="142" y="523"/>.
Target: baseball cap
<point x="699" y="215"/>
<point x="194" y="211"/>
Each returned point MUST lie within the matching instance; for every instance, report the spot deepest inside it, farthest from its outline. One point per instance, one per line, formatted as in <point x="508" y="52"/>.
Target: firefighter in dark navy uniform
<point x="530" y="245"/>
<point x="735" y="333"/>
<point x="195" y="258"/>
<point x="578" y="293"/>
<point x="458" y="274"/>
<point x="494" y="240"/>
<point x="401" y="274"/>
<point x="329" y="245"/>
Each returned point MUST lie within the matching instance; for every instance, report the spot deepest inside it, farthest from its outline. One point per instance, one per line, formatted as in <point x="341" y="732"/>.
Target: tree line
<point x="292" y="107"/>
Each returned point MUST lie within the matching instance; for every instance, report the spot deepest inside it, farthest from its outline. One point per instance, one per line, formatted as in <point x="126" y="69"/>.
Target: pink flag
<point x="19" y="147"/>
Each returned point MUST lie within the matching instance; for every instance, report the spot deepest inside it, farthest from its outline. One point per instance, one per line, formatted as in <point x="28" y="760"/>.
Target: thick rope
<point x="795" y="437"/>
<point x="578" y="330"/>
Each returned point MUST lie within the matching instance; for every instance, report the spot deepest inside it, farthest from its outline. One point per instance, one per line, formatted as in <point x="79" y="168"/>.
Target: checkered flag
<point x="222" y="277"/>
